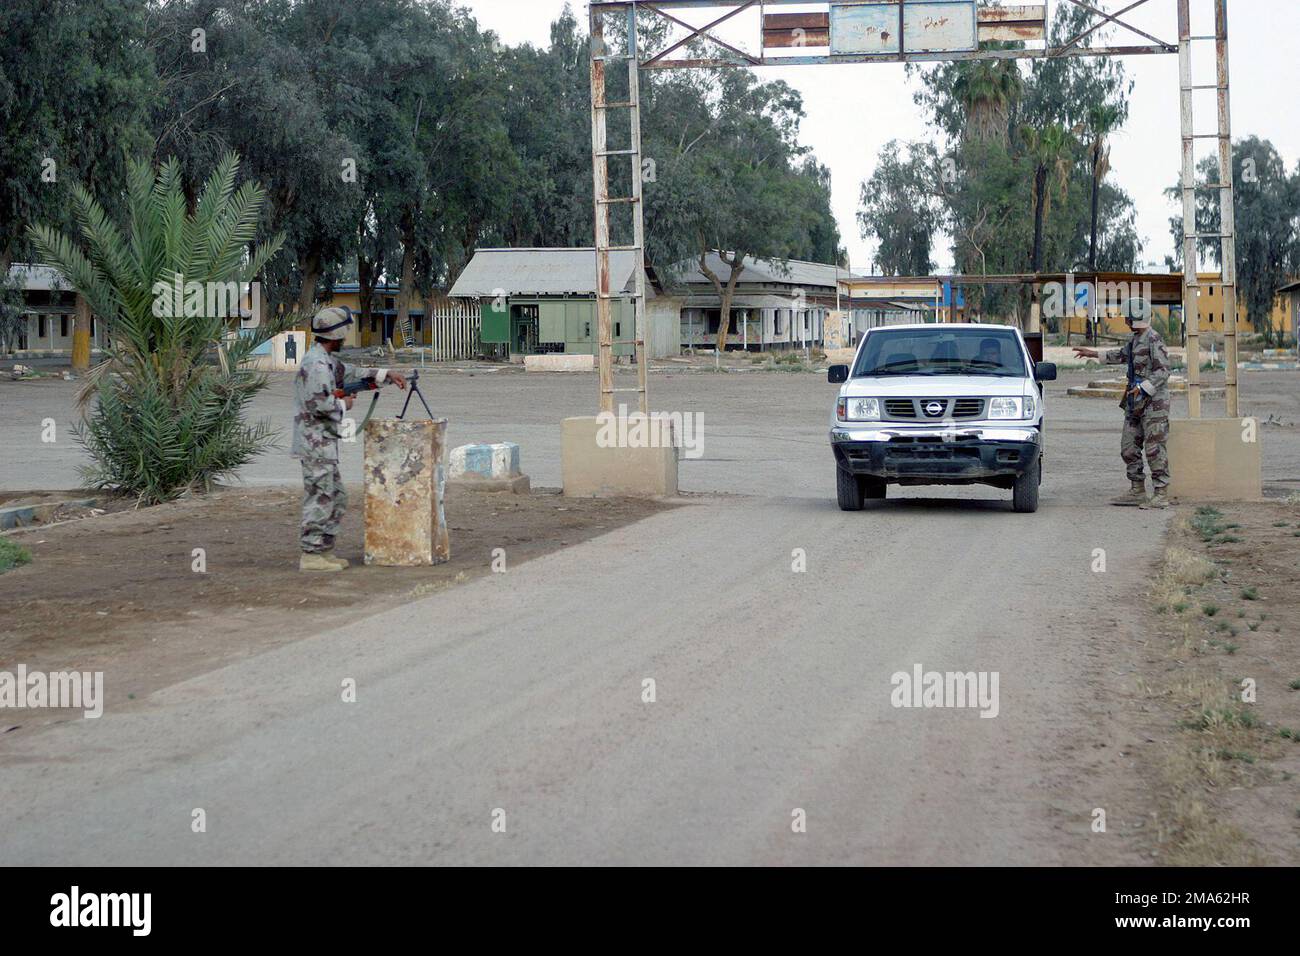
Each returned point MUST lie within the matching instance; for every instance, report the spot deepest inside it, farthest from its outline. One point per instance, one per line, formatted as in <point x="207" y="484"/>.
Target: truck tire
<point x="848" y="490"/>
<point x="1024" y="493"/>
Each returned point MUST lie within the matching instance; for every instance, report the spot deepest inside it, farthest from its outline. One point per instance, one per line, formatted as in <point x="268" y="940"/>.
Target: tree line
<point x="391" y="137"/>
<point x="1017" y="177"/>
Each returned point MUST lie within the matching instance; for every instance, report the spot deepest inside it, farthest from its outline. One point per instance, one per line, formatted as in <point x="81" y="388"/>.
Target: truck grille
<point x="932" y="409"/>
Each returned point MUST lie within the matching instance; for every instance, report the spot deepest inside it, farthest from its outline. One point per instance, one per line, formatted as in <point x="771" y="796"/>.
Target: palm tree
<point x="1049" y="150"/>
<point x="988" y="89"/>
<point x="1103" y="119"/>
<point x="172" y="391"/>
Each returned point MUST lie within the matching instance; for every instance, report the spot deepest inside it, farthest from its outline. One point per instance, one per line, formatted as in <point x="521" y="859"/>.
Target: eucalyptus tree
<point x="1266" y="219"/>
<point x="901" y="207"/>
<point x="75" y="81"/>
<point x="248" y="75"/>
<point x="731" y="177"/>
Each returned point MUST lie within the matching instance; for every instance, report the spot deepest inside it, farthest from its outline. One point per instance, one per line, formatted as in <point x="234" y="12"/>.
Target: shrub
<point x="168" y="405"/>
<point x="12" y="554"/>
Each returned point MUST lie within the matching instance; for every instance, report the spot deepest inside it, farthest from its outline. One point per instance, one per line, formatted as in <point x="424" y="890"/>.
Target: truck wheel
<point x="848" y="490"/>
<point x="1024" y="493"/>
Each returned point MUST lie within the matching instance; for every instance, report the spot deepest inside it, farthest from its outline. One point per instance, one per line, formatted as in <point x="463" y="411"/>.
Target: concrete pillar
<point x="620" y="455"/>
<point x="405" y="481"/>
<point x="1215" y="459"/>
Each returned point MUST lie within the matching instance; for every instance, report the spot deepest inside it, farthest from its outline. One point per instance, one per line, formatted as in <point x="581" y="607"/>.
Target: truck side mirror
<point x="1045" y="372"/>
<point x="837" y="373"/>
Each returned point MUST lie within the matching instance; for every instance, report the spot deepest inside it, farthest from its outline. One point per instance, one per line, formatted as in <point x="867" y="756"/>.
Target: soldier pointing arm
<point x="1145" y="404"/>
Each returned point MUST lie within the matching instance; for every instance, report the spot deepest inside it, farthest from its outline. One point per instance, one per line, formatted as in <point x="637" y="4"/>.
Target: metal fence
<point x="455" y="326"/>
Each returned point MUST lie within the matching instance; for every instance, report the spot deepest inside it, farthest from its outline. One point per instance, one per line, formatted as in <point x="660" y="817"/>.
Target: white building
<point x="48" y="313"/>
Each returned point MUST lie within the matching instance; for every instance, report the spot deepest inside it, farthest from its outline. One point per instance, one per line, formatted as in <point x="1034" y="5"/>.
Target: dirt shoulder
<point x="1223" y="685"/>
<point x="119" y="592"/>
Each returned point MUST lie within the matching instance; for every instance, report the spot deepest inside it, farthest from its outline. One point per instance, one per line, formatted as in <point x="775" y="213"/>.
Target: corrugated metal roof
<point x="791" y="272"/>
<point x="541" y="272"/>
<point x="742" y="301"/>
<point x="36" y="278"/>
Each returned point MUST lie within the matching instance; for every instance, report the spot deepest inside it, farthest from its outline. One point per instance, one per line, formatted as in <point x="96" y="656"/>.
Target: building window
<point x="63" y="326"/>
<point x="40" y="327"/>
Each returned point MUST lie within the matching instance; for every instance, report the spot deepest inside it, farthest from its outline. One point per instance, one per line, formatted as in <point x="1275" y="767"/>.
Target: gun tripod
<point x="412" y="389"/>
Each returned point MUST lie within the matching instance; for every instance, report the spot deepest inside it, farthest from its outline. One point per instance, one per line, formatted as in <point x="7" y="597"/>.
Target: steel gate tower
<point x="898" y="31"/>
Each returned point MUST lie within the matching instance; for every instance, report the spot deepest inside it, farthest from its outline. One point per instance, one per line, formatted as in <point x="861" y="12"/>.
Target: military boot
<point x="341" y="562"/>
<point x="318" y="562"/>
<point x="1136" y="495"/>
<point x="1158" y="500"/>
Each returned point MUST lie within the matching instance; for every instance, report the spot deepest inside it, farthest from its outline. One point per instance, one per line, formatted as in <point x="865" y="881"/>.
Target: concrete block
<point x="593" y="466"/>
<point x="518" y="485"/>
<point x="560" y="362"/>
<point x="20" y="516"/>
<point x="482" y="460"/>
<point x="405" y="484"/>
<point x="1217" y="459"/>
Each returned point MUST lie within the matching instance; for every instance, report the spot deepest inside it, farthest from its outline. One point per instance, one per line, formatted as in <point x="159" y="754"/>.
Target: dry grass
<point x="1218" y="743"/>
<point x="1199" y="838"/>
<point x="1181" y="573"/>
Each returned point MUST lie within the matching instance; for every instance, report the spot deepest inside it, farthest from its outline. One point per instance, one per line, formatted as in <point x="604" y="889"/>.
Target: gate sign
<point x="928" y="26"/>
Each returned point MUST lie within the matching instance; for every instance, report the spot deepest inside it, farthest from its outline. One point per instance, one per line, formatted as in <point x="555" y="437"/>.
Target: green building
<point x="544" y="300"/>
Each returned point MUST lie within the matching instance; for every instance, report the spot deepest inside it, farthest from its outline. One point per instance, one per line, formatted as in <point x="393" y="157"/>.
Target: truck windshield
<point x="979" y="350"/>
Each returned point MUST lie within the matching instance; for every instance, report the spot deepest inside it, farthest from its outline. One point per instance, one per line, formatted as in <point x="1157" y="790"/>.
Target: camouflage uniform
<point x="1146" y="416"/>
<point x="316" y="431"/>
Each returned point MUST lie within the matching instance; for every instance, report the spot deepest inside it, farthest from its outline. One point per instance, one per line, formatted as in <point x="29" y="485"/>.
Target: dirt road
<point x="521" y="699"/>
<point x="524" y="692"/>
<point x="158" y="595"/>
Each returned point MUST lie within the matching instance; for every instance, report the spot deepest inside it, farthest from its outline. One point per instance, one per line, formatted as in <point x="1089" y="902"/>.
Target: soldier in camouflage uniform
<point x="317" y="422"/>
<point x="1145" y="404"/>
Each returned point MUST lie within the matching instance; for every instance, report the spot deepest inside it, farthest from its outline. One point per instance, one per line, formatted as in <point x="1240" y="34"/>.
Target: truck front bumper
<point x="933" y="456"/>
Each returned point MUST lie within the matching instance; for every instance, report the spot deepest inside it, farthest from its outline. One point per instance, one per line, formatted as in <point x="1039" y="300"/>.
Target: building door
<point x="523" y="322"/>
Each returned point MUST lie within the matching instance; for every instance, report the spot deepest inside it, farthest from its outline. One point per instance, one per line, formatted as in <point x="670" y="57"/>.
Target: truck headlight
<point x="853" y="409"/>
<point x="1007" y="408"/>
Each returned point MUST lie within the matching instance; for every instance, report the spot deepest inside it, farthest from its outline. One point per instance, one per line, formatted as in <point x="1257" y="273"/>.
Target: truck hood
<point x="938" y="386"/>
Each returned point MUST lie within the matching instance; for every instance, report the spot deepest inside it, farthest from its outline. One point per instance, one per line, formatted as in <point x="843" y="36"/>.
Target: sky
<point x="855" y="109"/>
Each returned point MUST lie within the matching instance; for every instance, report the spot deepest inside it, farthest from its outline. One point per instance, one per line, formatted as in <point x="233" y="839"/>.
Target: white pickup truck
<point x="939" y="404"/>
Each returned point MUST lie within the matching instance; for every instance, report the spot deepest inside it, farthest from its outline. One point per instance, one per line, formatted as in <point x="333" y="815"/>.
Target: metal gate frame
<point x="628" y="9"/>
